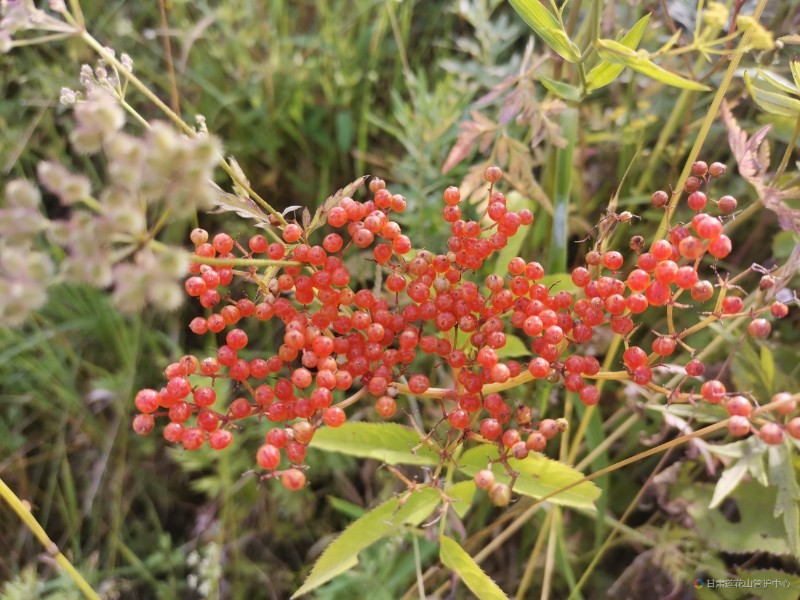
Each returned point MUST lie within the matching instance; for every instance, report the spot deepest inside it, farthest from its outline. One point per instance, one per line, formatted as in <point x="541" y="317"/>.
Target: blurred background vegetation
<point x="307" y="96"/>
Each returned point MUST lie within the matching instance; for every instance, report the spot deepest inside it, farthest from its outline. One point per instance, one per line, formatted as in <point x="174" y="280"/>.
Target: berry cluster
<point x="336" y="338"/>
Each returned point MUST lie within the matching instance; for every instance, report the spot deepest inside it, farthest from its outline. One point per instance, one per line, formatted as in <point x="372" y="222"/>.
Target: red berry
<point x="219" y="439"/>
<point x="293" y="480"/>
<point x="739" y="425"/>
<point x="143" y="424"/>
<point x="771" y="433"/>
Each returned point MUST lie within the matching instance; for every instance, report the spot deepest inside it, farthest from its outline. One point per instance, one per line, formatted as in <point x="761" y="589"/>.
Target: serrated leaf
<point x="514" y="347"/>
<point x="456" y="559"/>
<point x="332" y="201"/>
<point x="617" y="53"/>
<point x="462" y="494"/>
<point x="244" y="207"/>
<point x="346" y="508"/>
<point x="772" y="102"/>
<point x="783" y="585"/>
<point x="606" y="72"/>
<point x="782" y="475"/>
<point x="547" y="26"/>
<point x="539" y="476"/>
<point x="388" y="442"/>
<point x="756" y="530"/>
<point x="750" y="460"/>
<point x="342" y="554"/>
<point x="563" y="90"/>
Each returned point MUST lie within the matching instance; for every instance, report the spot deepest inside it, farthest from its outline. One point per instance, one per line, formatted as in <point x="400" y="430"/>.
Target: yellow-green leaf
<point x="767" y="367"/>
<point x="539" y="476"/>
<point x="606" y="72"/>
<point x="794" y="65"/>
<point x="455" y="558"/>
<point x="771" y="102"/>
<point x="387" y="442"/>
<point x="381" y="521"/>
<point x="563" y="90"/>
<point x="461" y="493"/>
<point x="547" y="26"/>
<point x="619" y="54"/>
<point x="514" y="347"/>
<point x="779" y="84"/>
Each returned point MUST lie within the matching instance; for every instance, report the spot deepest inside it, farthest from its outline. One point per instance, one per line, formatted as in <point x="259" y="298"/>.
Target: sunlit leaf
<point x="455" y="558"/>
<point x="606" y="72"/>
<point x="772" y="102"/>
<point x="342" y="554"/>
<point x="547" y="26"/>
<point x="563" y="90"/>
<point x="539" y="476"/>
<point x="514" y="347"/>
<point x="619" y="54"/>
<point x="387" y="442"/>
<point x="462" y="494"/>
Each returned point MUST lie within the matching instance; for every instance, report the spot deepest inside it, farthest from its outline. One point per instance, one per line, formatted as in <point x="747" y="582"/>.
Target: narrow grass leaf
<point x="387" y="442"/>
<point x="455" y="558"/>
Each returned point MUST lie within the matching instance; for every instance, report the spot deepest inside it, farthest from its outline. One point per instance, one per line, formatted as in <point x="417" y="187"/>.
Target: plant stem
<point x="788" y="153"/>
<point x="24" y="513"/>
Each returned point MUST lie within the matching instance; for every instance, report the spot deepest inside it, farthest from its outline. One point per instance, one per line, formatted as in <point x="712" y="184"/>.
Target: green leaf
<point x="782" y="475"/>
<point x="514" y="347"/>
<point x="462" y="493"/>
<point x="768" y="368"/>
<point x="563" y="90"/>
<point x="387" y="442"/>
<point x="455" y="558"/>
<point x="539" y="476"/>
<point x="794" y="65"/>
<point x="771" y="102"/>
<point x="559" y="282"/>
<point x="751" y="460"/>
<point x="779" y="84"/>
<point x="757" y="530"/>
<point x="606" y="72"/>
<point x="383" y="520"/>
<point x="547" y="26"/>
<point x="619" y="54"/>
<point x="348" y="509"/>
